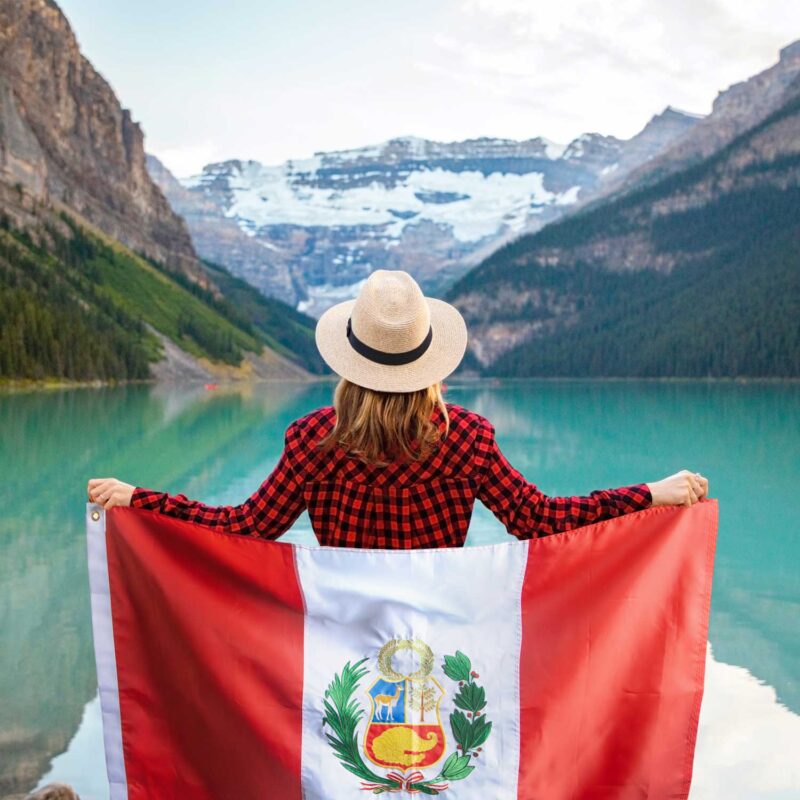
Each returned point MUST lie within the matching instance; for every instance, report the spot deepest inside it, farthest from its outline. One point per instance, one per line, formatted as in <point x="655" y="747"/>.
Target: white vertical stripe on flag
<point x="453" y="599"/>
<point x="104" y="652"/>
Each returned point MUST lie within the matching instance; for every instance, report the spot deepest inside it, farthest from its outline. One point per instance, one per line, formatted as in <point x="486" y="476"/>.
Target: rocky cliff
<point x="735" y="110"/>
<point x="66" y="140"/>
<point x="309" y="231"/>
<point x="98" y="275"/>
<point x="727" y="222"/>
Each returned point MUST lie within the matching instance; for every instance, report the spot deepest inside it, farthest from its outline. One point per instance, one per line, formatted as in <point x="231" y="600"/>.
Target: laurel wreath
<point x="342" y="715"/>
<point x="468" y="723"/>
<point x="470" y="727"/>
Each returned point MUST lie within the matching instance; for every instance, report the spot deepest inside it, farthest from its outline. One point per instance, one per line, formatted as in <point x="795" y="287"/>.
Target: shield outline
<point x="437" y="724"/>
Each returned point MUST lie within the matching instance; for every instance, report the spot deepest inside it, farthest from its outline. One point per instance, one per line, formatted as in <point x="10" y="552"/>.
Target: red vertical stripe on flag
<point x="184" y="595"/>
<point x="614" y="627"/>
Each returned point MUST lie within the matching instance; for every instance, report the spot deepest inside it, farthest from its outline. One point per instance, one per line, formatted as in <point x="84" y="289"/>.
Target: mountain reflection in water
<point x="568" y="437"/>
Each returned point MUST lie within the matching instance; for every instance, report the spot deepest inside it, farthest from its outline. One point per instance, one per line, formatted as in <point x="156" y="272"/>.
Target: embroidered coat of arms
<point x="404" y="733"/>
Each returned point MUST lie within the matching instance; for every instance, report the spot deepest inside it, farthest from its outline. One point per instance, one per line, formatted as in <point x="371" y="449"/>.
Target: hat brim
<point x="444" y="354"/>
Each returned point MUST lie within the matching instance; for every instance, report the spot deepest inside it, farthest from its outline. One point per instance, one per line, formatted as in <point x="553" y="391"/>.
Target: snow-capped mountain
<point x="310" y="231"/>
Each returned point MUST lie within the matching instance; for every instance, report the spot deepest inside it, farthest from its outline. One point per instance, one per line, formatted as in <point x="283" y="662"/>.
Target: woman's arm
<point x="527" y="513"/>
<point x="269" y="512"/>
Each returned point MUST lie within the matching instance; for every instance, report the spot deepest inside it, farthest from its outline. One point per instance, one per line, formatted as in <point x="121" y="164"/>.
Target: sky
<point x="210" y="80"/>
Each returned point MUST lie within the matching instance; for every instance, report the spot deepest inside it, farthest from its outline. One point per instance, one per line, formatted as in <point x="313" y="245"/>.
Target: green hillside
<point x="284" y="329"/>
<point x="73" y="307"/>
<point x="729" y="307"/>
<point x="724" y="316"/>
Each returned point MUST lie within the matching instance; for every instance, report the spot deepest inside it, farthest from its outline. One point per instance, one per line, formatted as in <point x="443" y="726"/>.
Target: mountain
<point x="693" y="273"/>
<point x="90" y="243"/>
<point x="656" y="138"/>
<point x="67" y="141"/>
<point x="309" y="231"/>
<point x="76" y="305"/>
<point x="735" y="110"/>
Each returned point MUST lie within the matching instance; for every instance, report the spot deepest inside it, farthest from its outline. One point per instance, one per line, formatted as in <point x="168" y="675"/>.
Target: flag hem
<point x="304" y="710"/>
<point x="563" y="536"/>
<point x="712" y="522"/>
<point x="516" y="724"/>
<point x="105" y="653"/>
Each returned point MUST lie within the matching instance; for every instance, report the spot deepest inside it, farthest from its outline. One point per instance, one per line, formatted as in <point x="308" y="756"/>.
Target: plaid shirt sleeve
<point x="270" y="511"/>
<point x="527" y="513"/>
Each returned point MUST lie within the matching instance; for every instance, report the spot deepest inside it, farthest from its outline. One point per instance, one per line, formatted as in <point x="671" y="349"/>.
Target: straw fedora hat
<point x="392" y="338"/>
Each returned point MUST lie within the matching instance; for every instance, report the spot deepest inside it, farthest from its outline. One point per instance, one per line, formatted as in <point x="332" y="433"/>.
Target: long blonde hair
<point x="380" y="427"/>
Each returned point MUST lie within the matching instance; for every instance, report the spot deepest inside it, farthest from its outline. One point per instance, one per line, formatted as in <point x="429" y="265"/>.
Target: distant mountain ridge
<point x="309" y="231"/>
<point x="693" y="273"/>
<point x="588" y="250"/>
<point x="734" y="110"/>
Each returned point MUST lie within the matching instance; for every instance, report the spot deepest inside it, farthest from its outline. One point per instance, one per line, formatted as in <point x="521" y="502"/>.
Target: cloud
<point x="281" y="87"/>
<point x="611" y="65"/>
<point x="185" y="160"/>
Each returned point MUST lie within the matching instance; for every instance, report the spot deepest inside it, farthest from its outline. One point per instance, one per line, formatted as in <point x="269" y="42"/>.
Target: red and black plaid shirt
<point x="402" y="505"/>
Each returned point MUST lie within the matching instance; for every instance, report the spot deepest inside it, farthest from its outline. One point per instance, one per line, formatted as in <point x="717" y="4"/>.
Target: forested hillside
<point x="734" y="314"/>
<point x="75" y="305"/>
<point x="98" y="275"/>
<point x="285" y="329"/>
<point x="695" y="275"/>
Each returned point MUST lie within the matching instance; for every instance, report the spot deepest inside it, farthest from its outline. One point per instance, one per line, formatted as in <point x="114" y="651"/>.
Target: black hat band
<point x="382" y="357"/>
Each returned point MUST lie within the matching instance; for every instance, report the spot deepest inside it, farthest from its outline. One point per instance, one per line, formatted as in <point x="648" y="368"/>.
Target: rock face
<point x="735" y="109"/>
<point x="310" y="231"/>
<point x="66" y="144"/>
<point x="658" y="136"/>
<point x="65" y="139"/>
<point x="739" y="167"/>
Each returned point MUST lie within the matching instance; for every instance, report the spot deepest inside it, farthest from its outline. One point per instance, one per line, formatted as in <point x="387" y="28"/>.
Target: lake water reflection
<point x="569" y="437"/>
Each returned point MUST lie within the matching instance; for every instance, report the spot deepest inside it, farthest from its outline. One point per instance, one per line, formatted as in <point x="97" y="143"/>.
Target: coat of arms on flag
<point x="567" y="667"/>
<point x="397" y="733"/>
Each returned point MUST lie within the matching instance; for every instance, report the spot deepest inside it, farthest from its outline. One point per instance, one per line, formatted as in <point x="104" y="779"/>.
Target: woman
<point x="391" y="464"/>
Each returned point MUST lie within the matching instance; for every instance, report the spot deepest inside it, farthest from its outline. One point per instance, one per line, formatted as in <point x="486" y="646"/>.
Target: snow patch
<point x="553" y="150"/>
<point x="326" y="295"/>
<point x="691" y="114"/>
<point x="568" y="197"/>
<point x="482" y="205"/>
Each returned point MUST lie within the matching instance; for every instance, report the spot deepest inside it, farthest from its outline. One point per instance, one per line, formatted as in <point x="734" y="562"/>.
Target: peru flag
<point x="568" y="667"/>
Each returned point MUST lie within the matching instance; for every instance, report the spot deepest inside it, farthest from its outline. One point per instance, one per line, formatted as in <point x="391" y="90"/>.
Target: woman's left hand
<point x="109" y="492"/>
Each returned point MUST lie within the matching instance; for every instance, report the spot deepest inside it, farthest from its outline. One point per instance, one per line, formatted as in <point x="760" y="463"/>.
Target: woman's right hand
<point x="109" y="492"/>
<point x="684" y="488"/>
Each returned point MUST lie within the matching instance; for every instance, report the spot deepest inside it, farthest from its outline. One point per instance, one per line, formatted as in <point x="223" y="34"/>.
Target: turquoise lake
<point x="568" y="437"/>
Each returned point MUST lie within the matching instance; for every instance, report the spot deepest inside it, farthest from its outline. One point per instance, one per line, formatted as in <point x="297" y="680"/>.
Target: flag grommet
<point x="95" y="515"/>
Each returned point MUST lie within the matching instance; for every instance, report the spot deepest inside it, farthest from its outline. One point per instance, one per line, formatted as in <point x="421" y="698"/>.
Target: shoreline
<point x="16" y="385"/>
